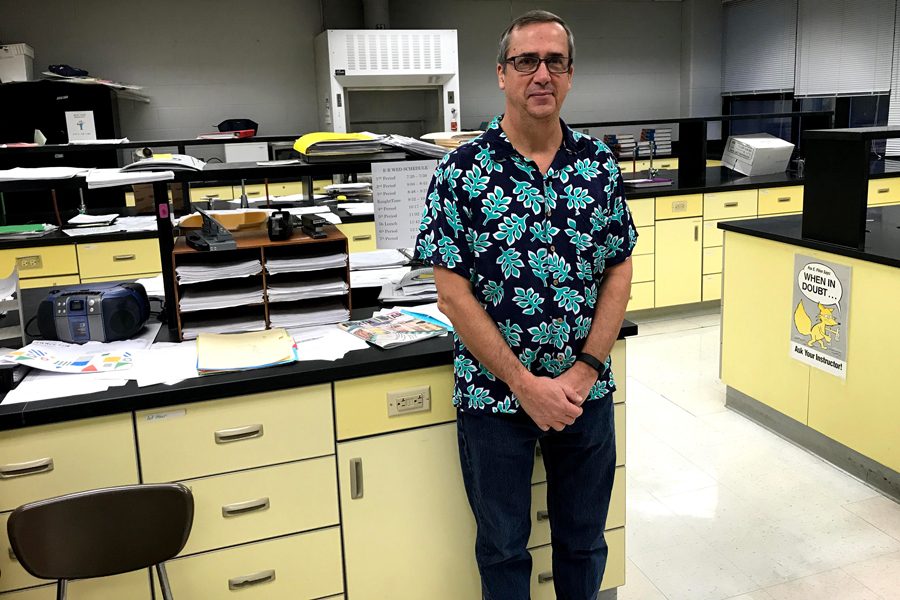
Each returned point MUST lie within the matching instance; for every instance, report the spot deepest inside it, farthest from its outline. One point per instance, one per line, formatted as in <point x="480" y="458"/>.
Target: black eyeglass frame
<point x="567" y="59"/>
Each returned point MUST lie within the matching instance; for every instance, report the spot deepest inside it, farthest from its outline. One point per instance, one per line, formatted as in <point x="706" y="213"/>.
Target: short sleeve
<point x="621" y="234"/>
<point x="441" y="240"/>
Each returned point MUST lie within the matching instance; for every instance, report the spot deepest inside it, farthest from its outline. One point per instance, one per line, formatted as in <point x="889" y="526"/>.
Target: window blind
<point x="844" y="47"/>
<point x="893" y="145"/>
<point x="759" y="41"/>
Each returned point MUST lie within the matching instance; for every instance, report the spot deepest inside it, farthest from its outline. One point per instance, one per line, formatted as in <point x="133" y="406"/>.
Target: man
<point x="530" y="238"/>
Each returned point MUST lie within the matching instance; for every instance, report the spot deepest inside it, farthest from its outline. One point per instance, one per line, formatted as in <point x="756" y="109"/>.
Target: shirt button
<point x="561" y="356"/>
<point x="556" y="282"/>
<point x="549" y="212"/>
<point x="552" y="248"/>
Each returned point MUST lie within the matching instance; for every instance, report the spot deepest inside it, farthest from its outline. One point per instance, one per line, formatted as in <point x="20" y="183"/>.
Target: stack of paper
<point x="415" y="286"/>
<point x="351" y="190"/>
<point x="317" y="288"/>
<point x="167" y="162"/>
<point x="275" y="266"/>
<point x="200" y="272"/>
<point x="358" y="208"/>
<point x="24" y="232"/>
<point x="217" y="353"/>
<point x="93" y="219"/>
<point x="141" y="223"/>
<point x="194" y="299"/>
<point x="451" y="139"/>
<point x="101" y="178"/>
<point x="415" y="146"/>
<point x="190" y="331"/>
<point x="23" y="173"/>
<point x="328" y="143"/>
<point x="322" y="314"/>
<point x="376" y="277"/>
<point x="377" y="259"/>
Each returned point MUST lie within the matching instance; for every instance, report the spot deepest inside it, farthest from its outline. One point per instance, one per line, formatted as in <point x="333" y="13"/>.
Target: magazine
<point x="392" y="329"/>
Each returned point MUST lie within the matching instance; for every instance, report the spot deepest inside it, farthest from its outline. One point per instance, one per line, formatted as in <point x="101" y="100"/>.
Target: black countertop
<point x="58" y="238"/>
<point x="358" y="363"/>
<point x="882" y="234"/>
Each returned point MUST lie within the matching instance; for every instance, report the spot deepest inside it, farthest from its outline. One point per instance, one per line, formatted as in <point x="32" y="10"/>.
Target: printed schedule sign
<point x="820" y="314"/>
<point x="80" y="125"/>
<point x="399" y="190"/>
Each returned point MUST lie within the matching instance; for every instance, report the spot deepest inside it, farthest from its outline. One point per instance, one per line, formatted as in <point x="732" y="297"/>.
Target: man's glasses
<point x="528" y="63"/>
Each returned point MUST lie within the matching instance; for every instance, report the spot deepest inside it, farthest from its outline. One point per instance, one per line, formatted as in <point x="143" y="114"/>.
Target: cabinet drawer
<point x="712" y="235"/>
<point x="675" y="207"/>
<point x="641" y="296"/>
<point x="781" y="200"/>
<point x="712" y="260"/>
<point x="107" y="259"/>
<point x="642" y="211"/>
<point x="542" y="569"/>
<point x="50" y="460"/>
<point x="54" y="280"/>
<point x="40" y="262"/>
<point x="712" y="287"/>
<point x="222" y="192"/>
<point x="665" y="163"/>
<point x="206" y="438"/>
<point x="133" y="586"/>
<point x="361" y="405"/>
<point x="360" y="236"/>
<point x="726" y="205"/>
<point x="645" y="243"/>
<point x="626" y="166"/>
<point x="285" y="188"/>
<point x="884" y="191"/>
<point x="262" y="503"/>
<point x="643" y="268"/>
<point x="296" y="567"/>
<point x="540" y="520"/>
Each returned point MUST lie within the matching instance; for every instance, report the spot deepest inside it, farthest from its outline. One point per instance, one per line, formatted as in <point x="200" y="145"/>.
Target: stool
<point x="102" y="532"/>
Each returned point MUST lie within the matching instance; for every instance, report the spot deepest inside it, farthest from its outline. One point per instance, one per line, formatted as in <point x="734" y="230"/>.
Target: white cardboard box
<point x="246" y="152"/>
<point x="757" y="154"/>
<point x="16" y="63"/>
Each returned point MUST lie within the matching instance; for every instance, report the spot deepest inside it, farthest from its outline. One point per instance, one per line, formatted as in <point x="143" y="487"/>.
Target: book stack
<point x="662" y="137"/>
<point x="622" y="144"/>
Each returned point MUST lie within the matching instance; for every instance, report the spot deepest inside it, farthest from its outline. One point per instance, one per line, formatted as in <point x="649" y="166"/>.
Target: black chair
<point x="102" y="532"/>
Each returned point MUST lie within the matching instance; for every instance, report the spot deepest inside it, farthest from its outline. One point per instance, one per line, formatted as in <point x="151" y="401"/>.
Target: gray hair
<point x="529" y="18"/>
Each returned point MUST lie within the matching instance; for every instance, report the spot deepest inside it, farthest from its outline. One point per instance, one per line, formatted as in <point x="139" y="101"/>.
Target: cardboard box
<point x="757" y="154"/>
<point x="246" y="152"/>
<point x="16" y="63"/>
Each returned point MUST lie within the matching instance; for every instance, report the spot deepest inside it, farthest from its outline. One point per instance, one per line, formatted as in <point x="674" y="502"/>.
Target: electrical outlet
<point x="410" y="400"/>
<point x="29" y="262"/>
<point x="679" y="206"/>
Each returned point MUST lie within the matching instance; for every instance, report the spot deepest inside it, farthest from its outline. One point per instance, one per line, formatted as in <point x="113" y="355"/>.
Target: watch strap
<point x="590" y="360"/>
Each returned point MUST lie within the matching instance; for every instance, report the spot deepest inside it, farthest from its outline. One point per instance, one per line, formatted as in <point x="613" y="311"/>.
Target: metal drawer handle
<point x="32" y="467"/>
<point x="883" y="190"/>
<point x="362" y="238"/>
<point x="210" y="195"/>
<point x="730" y="204"/>
<point x="224" y="436"/>
<point x="696" y="233"/>
<point x="237" y="583"/>
<point x="121" y="257"/>
<point x="784" y="199"/>
<point x="543" y="515"/>
<point x="356" y="479"/>
<point x="241" y="508"/>
<point x="545" y="577"/>
<point x="256" y="193"/>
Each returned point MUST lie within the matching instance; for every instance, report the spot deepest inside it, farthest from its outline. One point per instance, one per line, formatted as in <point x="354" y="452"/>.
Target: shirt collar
<point x="500" y="147"/>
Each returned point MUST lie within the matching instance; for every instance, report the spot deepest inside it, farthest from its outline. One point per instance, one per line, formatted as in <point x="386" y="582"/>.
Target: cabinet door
<point x="408" y="530"/>
<point x="679" y="256"/>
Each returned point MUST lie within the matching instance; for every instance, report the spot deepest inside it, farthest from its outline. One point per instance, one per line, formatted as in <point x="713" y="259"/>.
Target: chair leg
<point x="61" y="587"/>
<point x="164" y="581"/>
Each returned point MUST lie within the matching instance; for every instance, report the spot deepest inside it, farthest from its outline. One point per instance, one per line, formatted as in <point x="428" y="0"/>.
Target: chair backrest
<point x="102" y="532"/>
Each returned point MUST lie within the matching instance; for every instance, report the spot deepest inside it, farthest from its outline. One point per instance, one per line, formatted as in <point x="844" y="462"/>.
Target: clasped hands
<point x="556" y="402"/>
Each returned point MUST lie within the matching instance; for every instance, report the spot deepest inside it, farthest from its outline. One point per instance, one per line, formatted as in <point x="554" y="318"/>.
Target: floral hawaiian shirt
<point x="535" y="248"/>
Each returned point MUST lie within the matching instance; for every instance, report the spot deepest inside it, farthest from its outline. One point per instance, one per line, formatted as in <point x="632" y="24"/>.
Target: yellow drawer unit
<point x="542" y="569"/>
<point x="221" y="192"/>
<point x="307" y="565"/>
<point x="206" y="438"/>
<point x="712" y="287"/>
<point x="360" y="236"/>
<point x="642" y="296"/>
<point x="39" y="282"/>
<point x="676" y="207"/>
<point x="645" y="243"/>
<point x="258" y="190"/>
<point x="643" y="268"/>
<point x="50" y="460"/>
<point x="44" y="261"/>
<point x="262" y="503"/>
<point x="712" y="260"/>
<point x="393" y="402"/>
<point x="642" y="211"/>
<point x="133" y="586"/>
<point x="727" y="205"/>
<point x="884" y="191"/>
<point x="712" y="235"/>
<point x="780" y="200"/>
<point x="111" y="259"/>
<point x="668" y="163"/>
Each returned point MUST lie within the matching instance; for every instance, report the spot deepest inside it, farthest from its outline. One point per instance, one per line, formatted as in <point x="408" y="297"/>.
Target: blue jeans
<point x="497" y="457"/>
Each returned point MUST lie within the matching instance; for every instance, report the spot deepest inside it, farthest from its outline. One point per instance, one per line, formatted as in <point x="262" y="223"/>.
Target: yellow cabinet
<point x="781" y="200"/>
<point x="643" y="268"/>
<point x="297" y="567"/>
<point x="727" y="205"/>
<point x="221" y="192"/>
<point x="542" y="570"/>
<point x="676" y="207"/>
<point x="46" y="263"/>
<point x="262" y="503"/>
<point x="360" y="236"/>
<point x="118" y="259"/>
<point x="712" y="287"/>
<point x="678" y="262"/>
<point x="645" y="241"/>
<point x="641" y="296"/>
<point x="50" y="460"/>
<point x="712" y="260"/>
<point x="712" y="235"/>
<point x="642" y="211"/>
<point x="133" y="586"/>
<point x="884" y="191"/>
<point x="205" y="438"/>
<point x="406" y="518"/>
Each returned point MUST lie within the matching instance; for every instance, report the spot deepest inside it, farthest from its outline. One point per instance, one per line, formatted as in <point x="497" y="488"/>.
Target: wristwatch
<point x="591" y="361"/>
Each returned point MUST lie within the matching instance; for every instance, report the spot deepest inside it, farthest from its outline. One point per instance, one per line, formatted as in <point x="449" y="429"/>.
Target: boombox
<point x="99" y="312"/>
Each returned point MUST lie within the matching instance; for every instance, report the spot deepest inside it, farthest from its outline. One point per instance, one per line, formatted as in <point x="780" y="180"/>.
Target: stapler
<point x="211" y="236"/>
<point x="312" y="226"/>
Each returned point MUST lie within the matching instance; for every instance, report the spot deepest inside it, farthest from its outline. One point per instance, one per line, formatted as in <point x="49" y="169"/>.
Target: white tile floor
<point x="720" y="508"/>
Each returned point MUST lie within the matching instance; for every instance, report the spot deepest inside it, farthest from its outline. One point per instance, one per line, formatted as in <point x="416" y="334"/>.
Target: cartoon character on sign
<point x="825" y="324"/>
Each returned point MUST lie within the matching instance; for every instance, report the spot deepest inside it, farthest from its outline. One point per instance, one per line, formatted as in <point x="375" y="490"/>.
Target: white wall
<point x="200" y="61"/>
